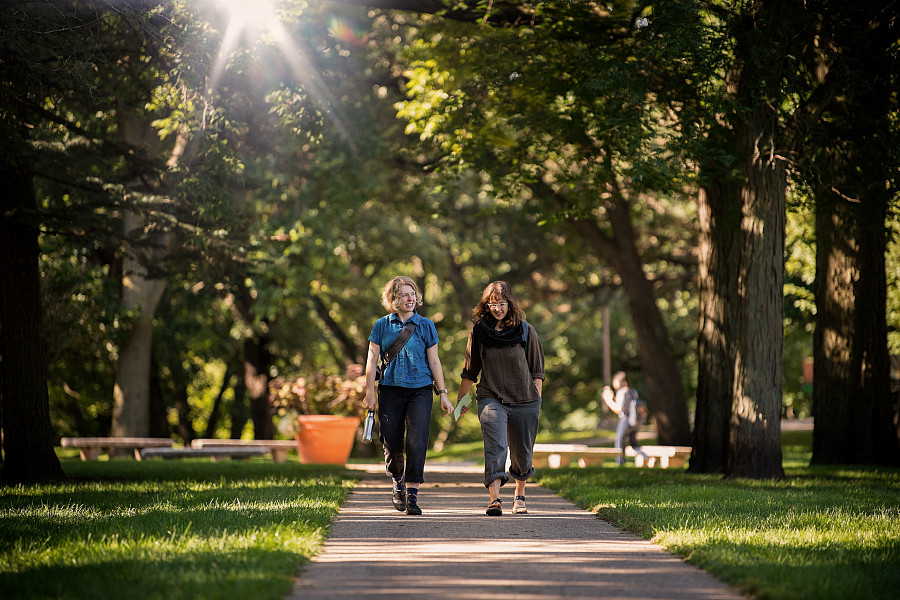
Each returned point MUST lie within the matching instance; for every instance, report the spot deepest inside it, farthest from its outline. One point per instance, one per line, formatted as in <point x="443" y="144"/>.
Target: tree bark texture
<point x="741" y="305"/>
<point x="719" y="218"/>
<point x="851" y="365"/>
<point x="24" y="403"/>
<point x="855" y="178"/>
<point x="755" y="428"/>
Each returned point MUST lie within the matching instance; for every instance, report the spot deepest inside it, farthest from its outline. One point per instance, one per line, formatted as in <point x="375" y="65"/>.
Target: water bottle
<point x="370" y="423"/>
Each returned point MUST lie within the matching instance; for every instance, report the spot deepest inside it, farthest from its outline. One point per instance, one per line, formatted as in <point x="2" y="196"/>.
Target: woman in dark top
<point x="506" y="351"/>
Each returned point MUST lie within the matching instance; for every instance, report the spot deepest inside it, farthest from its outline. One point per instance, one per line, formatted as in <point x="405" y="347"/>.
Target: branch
<point x="500" y="13"/>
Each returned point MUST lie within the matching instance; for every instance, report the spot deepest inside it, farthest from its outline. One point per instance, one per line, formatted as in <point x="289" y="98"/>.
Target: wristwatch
<point x="443" y="391"/>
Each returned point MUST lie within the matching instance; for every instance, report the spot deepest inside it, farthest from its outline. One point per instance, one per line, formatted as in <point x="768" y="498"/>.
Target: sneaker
<point x="412" y="507"/>
<point x="399" y="500"/>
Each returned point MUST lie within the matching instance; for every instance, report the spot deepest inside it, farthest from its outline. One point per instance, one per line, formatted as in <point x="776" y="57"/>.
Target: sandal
<point x="495" y="509"/>
<point x="519" y="506"/>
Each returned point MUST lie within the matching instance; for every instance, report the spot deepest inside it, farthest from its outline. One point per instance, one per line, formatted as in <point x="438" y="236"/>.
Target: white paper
<point x="463" y="402"/>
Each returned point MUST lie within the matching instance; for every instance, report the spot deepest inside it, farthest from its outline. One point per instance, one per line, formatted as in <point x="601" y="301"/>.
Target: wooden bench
<point x="213" y="453"/>
<point x="278" y="448"/>
<point x="561" y="455"/>
<point x="666" y="456"/>
<point x="90" y="447"/>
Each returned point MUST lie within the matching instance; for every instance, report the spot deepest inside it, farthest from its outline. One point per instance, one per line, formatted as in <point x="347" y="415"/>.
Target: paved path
<point x="454" y="551"/>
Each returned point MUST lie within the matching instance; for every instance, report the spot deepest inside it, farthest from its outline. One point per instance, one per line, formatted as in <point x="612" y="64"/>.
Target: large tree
<point x="852" y="171"/>
<point x="567" y="136"/>
<point x="37" y="70"/>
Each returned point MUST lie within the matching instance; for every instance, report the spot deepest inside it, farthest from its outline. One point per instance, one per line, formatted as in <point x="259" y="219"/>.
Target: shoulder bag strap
<point x="394" y="349"/>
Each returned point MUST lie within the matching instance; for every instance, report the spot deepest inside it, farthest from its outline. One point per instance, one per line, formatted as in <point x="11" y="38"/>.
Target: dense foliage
<point x="296" y="164"/>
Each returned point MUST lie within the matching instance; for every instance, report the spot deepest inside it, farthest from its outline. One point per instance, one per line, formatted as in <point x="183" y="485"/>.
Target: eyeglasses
<point x="497" y="305"/>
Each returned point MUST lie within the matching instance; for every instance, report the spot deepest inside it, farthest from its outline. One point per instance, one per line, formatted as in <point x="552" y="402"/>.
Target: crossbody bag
<point x="394" y="349"/>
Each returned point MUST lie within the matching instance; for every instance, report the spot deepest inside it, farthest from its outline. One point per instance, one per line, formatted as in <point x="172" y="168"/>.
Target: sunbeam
<point x="251" y="22"/>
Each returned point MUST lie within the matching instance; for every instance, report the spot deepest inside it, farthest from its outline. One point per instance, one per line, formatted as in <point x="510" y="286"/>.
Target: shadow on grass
<point x="247" y="573"/>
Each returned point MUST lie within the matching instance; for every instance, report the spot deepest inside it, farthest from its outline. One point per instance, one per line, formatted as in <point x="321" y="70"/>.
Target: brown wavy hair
<point x="390" y="295"/>
<point x="499" y="291"/>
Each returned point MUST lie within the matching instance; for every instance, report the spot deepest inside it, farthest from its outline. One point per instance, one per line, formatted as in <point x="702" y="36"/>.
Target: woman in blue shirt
<point x="404" y="397"/>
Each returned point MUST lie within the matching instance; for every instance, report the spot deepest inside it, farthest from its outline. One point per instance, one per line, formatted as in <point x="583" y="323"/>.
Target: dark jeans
<point x="405" y="412"/>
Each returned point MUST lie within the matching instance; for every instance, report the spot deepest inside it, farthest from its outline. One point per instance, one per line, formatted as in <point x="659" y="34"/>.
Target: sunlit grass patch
<point x="823" y="532"/>
<point x="194" y="529"/>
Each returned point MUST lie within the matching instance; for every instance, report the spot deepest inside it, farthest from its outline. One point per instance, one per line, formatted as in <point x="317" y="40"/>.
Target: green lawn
<point x="822" y="533"/>
<point x="192" y="529"/>
<point x="198" y="529"/>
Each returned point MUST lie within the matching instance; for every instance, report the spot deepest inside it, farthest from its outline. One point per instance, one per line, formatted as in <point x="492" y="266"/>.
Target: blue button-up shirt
<point x="410" y="368"/>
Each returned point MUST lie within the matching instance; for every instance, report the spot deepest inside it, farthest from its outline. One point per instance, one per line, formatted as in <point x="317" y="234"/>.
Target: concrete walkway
<point x="454" y="551"/>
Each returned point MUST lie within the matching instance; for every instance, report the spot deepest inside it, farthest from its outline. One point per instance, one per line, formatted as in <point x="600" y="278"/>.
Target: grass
<point x="197" y="529"/>
<point x="823" y="532"/>
<point x="192" y="529"/>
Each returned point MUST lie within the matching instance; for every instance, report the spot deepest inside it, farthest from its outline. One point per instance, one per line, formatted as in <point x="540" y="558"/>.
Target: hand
<point x="370" y="399"/>
<point x="446" y="405"/>
<point x="464" y="410"/>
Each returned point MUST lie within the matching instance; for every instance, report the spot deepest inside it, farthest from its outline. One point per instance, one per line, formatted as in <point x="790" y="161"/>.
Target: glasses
<point x="497" y="305"/>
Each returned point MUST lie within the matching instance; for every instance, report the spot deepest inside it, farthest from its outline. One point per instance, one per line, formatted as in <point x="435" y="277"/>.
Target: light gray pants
<point x="512" y="428"/>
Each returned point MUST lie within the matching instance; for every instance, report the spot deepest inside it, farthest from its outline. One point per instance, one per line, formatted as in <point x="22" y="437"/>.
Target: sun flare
<point x="251" y="22"/>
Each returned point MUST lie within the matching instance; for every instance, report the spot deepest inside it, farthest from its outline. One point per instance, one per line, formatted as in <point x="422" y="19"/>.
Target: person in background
<point x="622" y="399"/>
<point x="505" y="351"/>
<point x="404" y="397"/>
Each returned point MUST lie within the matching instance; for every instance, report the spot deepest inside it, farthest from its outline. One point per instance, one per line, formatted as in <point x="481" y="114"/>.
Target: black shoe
<point x="399" y="500"/>
<point x="412" y="507"/>
<point x="495" y="508"/>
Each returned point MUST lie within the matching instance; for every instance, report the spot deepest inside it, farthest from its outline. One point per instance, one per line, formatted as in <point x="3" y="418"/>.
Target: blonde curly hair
<point x="390" y="295"/>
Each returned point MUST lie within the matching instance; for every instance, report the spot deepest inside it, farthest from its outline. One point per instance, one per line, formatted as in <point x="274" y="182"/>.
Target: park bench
<point x="90" y="447"/>
<point x="213" y="453"/>
<point x="561" y="455"/>
<point x="278" y="448"/>
<point x="666" y="456"/>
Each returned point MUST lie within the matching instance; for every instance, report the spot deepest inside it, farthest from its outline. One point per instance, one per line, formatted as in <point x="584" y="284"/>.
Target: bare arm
<point x="437" y="372"/>
<point x="371" y="365"/>
<point x="609" y="397"/>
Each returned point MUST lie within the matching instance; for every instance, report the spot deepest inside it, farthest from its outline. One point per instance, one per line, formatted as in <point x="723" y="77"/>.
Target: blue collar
<point x="415" y="318"/>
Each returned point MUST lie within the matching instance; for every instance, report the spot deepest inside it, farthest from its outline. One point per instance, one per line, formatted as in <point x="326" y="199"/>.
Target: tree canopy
<point x="212" y="198"/>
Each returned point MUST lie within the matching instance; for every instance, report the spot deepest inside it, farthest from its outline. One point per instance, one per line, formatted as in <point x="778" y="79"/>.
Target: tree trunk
<point x="755" y="432"/>
<point x="741" y="306"/>
<point x="719" y="219"/>
<point x="661" y="374"/>
<point x="159" y="423"/>
<point x="213" y="420"/>
<point x="851" y="368"/>
<point x="183" y="409"/>
<point x="24" y="403"/>
<point x="140" y="294"/>
<point x="238" y="412"/>
<point x="256" y="380"/>
<point x="855" y="181"/>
